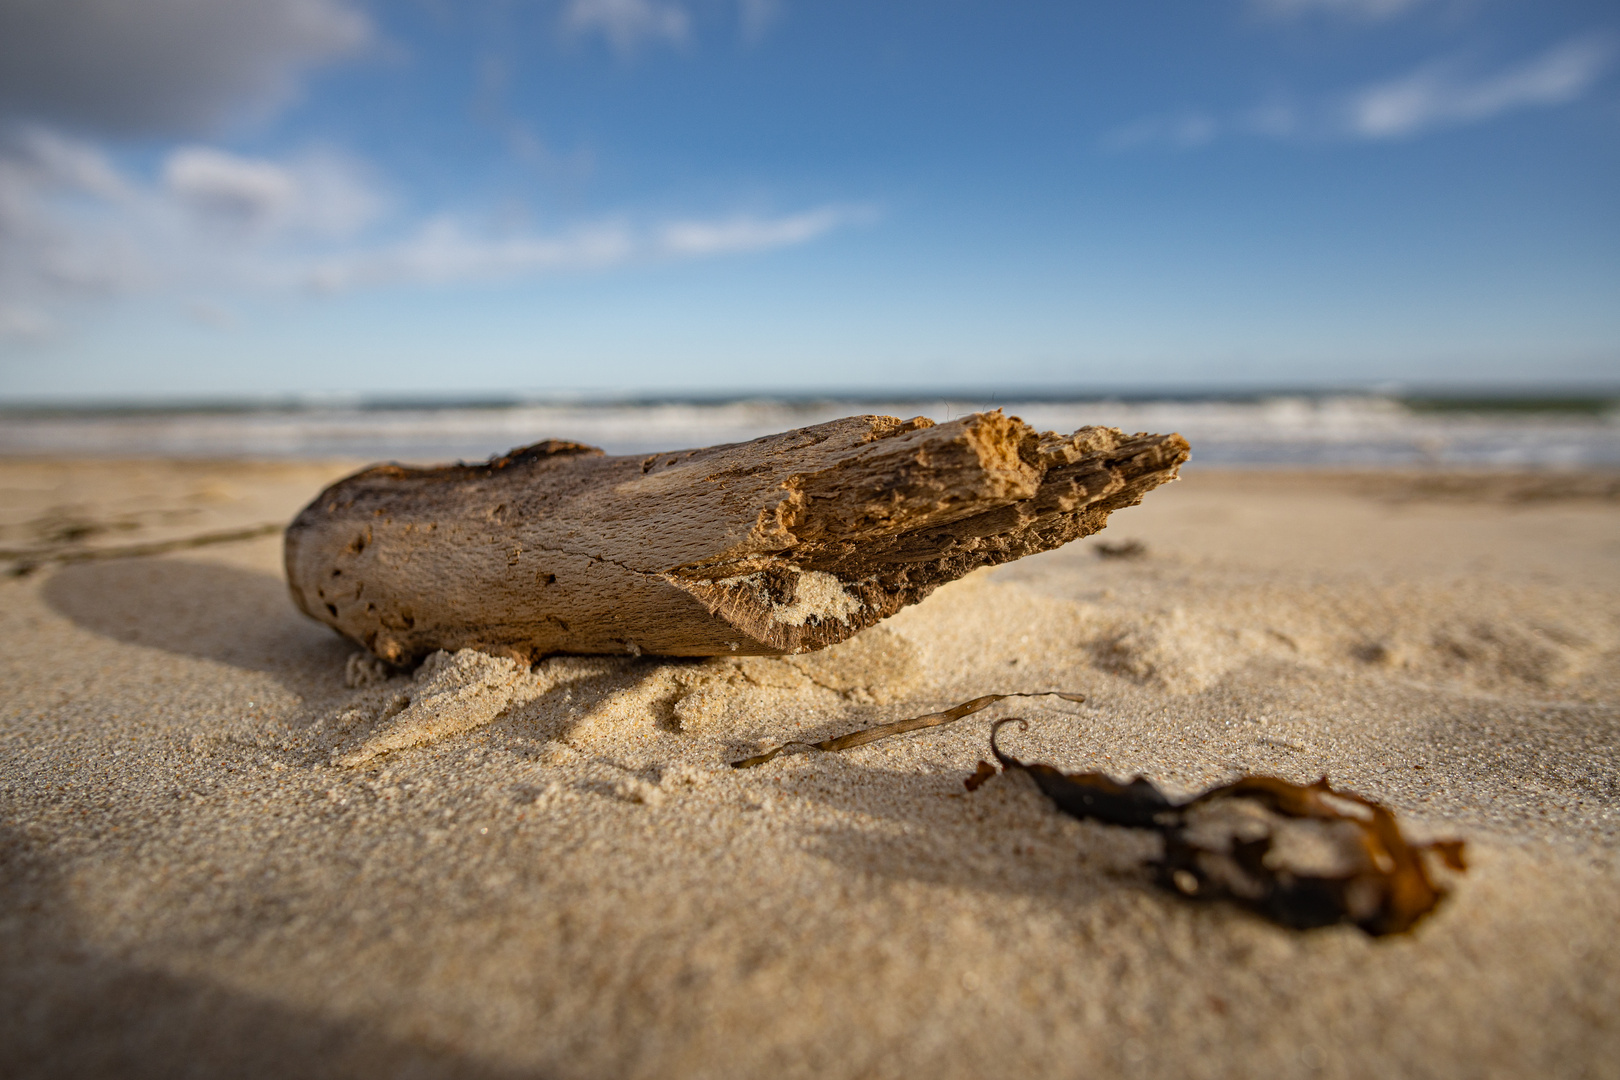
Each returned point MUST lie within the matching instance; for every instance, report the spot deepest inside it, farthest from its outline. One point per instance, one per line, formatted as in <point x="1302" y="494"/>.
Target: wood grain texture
<point x="781" y="545"/>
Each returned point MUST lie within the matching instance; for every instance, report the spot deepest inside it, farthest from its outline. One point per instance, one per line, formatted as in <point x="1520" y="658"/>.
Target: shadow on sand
<point x="68" y="1010"/>
<point x="201" y="609"/>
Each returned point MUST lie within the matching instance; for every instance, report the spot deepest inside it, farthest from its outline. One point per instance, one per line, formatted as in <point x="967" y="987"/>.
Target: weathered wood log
<point x="780" y="545"/>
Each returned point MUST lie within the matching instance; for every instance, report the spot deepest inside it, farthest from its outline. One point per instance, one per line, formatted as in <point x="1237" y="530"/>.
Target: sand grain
<point x="228" y="848"/>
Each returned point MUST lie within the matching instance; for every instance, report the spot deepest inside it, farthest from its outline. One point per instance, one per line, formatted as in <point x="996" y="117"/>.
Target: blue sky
<point x="229" y="197"/>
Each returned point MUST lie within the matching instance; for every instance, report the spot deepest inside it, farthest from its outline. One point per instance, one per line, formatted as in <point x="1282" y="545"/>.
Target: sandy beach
<point x="229" y="849"/>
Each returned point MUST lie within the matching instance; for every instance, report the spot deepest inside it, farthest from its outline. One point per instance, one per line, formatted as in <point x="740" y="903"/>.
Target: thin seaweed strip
<point x="900" y="727"/>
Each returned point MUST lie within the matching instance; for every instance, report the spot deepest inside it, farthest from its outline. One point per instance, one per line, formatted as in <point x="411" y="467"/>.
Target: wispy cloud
<point x="60" y="205"/>
<point x="446" y="251"/>
<point x="746" y="233"/>
<point x="212" y="224"/>
<point x="1441" y="94"/>
<point x="323" y="194"/>
<point x="1185" y="130"/>
<point x="1369" y="10"/>
<point x="626" y="24"/>
<point x="757" y="17"/>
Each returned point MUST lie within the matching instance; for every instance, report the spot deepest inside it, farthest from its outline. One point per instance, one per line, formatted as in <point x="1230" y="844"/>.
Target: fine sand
<point x="230" y="847"/>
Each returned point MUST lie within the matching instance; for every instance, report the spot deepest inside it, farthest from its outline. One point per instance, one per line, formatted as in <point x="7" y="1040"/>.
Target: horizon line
<point x="1561" y="397"/>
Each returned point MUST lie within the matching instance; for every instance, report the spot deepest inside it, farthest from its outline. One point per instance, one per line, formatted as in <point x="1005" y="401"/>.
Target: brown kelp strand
<point x="1304" y="856"/>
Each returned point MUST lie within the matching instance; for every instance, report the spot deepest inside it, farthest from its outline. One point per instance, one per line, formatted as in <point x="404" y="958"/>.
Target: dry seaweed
<point x="26" y="560"/>
<point x="900" y="727"/>
<point x="1304" y="856"/>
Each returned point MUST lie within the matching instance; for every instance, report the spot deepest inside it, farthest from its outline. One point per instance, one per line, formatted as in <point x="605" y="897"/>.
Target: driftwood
<point x="780" y="545"/>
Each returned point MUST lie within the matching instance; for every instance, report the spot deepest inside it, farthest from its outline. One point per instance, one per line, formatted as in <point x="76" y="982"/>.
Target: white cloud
<point x="319" y="193"/>
<point x="444" y="251"/>
<point x="1438" y="94"/>
<point x="1370" y="10"/>
<point x="212" y="224"/>
<point x="740" y="234"/>
<point x="627" y="23"/>
<point x="72" y="225"/>
<point x="239" y="191"/>
<point x="61" y="203"/>
<point x="42" y="157"/>
<point x="164" y="66"/>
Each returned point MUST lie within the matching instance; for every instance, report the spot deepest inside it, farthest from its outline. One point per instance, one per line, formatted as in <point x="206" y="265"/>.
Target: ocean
<point x="1281" y="430"/>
